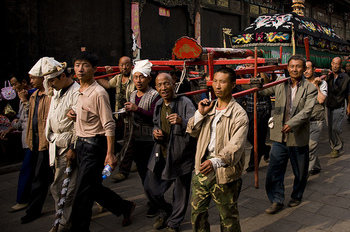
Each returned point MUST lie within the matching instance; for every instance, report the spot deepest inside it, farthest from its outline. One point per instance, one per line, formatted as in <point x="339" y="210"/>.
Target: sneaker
<point x="294" y="202"/>
<point x="119" y="177"/>
<point x="274" y="208"/>
<point x="172" y="229"/>
<point x="335" y="154"/>
<point x="160" y="223"/>
<point x="152" y="212"/>
<point x="127" y="214"/>
<point x="18" y="207"/>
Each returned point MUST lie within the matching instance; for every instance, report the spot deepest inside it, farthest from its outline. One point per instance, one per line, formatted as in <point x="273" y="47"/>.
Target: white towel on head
<point x="48" y="68"/>
<point x="142" y="66"/>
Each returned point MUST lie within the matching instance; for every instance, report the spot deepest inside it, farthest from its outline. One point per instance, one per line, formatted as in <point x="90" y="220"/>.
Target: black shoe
<point x="152" y="212"/>
<point x="314" y="171"/>
<point x="29" y="218"/>
<point x="294" y="202"/>
<point x="250" y="169"/>
<point x="267" y="155"/>
<point x="127" y="214"/>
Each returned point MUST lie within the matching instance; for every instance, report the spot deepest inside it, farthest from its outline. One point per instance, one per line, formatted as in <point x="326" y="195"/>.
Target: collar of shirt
<point x="64" y="90"/>
<point x="298" y="84"/>
<point x="89" y="89"/>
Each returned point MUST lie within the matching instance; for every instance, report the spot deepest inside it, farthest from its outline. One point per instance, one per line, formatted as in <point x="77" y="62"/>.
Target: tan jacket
<point x="231" y="134"/>
<point x="299" y="122"/>
<point x="43" y="110"/>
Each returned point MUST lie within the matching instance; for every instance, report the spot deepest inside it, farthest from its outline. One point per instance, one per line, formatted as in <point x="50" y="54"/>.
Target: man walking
<point x="124" y="86"/>
<point x="317" y="116"/>
<point x="39" y="104"/>
<point x="221" y="128"/>
<point x="140" y="116"/>
<point x="338" y="91"/>
<point x="95" y="130"/>
<point x="290" y="131"/>
<point x="60" y="133"/>
<point x="172" y="156"/>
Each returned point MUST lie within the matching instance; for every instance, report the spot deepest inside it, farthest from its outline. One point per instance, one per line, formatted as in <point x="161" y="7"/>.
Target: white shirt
<point x="198" y="117"/>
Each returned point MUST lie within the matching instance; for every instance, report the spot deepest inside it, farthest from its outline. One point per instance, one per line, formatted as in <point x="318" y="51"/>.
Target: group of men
<point x="302" y="105"/>
<point x="168" y="138"/>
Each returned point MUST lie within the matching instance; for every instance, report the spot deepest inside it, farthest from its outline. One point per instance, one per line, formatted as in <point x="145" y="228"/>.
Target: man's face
<point x="36" y="82"/>
<point x="140" y="81"/>
<point x="347" y="68"/>
<point x="296" y="69"/>
<point x="336" y="65"/>
<point x="84" y="70"/>
<point x="309" y="72"/>
<point x="16" y="86"/>
<point x="222" y="85"/>
<point x="125" y="66"/>
<point x="57" y="83"/>
<point x="165" y="86"/>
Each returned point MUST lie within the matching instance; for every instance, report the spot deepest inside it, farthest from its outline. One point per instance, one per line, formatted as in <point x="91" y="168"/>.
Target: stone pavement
<point x="325" y="206"/>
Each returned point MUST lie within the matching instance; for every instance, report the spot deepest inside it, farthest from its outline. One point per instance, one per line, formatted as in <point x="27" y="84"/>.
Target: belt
<point x="91" y="141"/>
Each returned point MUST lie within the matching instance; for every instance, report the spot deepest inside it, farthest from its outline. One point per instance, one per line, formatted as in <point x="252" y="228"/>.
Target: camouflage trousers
<point x="205" y="188"/>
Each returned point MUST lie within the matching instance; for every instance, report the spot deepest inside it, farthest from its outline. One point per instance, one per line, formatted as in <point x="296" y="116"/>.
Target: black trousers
<point x="89" y="188"/>
<point x="143" y="150"/>
<point x="42" y="178"/>
<point x="262" y="119"/>
<point x="155" y="189"/>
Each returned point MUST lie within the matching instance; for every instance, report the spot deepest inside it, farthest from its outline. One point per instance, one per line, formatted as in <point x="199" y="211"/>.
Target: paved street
<point x="325" y="206"/>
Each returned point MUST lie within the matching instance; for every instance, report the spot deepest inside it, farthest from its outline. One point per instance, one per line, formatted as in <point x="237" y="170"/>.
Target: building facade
<point x="138" y="28"/>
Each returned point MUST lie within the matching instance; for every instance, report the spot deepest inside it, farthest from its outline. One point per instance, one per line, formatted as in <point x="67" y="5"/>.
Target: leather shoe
<point x="29" y="218"/>
<point x="119" y="177"/>
<point x="127" y="214"/>
<point x="274" y="208"/>
<point x="314" y="171"/>
<point x="335" y="154"/>
<point x="294" y="202"/>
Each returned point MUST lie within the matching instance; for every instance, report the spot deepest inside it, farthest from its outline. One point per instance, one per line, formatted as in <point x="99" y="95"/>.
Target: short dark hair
<point x="298" y="57"/>
<point x="91" y="57"/>
<point x="231" y="73"/>
<point x="20" y="77"/>
<point x="313" y="65"/>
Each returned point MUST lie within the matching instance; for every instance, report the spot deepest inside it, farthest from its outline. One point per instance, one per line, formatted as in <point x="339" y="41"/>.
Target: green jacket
<point x="303" y="104"/>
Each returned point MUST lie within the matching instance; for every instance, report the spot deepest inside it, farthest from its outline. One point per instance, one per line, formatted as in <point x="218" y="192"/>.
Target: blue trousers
<point x="25" y="178"/>
<point x="299" y="159"/>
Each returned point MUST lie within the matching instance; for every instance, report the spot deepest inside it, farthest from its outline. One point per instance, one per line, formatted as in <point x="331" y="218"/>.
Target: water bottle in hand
<point x="106" y="171"/>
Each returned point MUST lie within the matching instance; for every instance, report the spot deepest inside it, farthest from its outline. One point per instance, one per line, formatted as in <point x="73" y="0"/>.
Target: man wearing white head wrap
<point x="39" y="104"/>
<point x="60" y="133"/>
<point x="142" y="66"/>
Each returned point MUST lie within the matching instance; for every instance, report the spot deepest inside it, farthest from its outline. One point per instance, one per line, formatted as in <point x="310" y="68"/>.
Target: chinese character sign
<point x="135" y="23"/>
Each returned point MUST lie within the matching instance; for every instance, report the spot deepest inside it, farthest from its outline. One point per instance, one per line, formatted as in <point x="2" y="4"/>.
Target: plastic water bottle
<point x="106" y="171"/>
